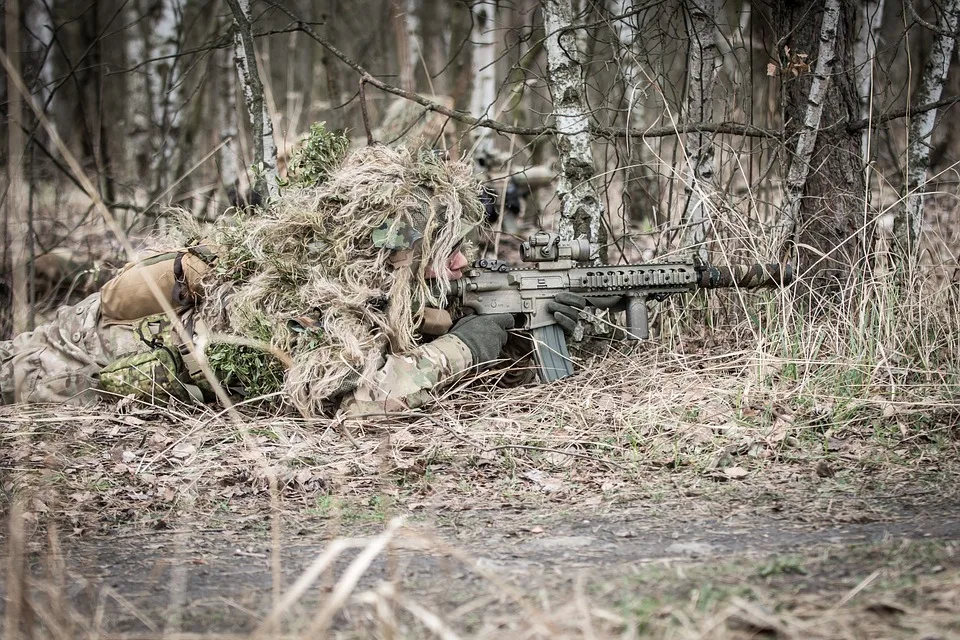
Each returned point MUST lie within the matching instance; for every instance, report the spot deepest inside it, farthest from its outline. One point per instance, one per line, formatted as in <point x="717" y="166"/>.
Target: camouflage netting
<point x="307" y="275"/>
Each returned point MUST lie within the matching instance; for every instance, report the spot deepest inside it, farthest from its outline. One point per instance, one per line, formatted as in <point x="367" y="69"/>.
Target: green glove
<point x="484" y="335"/>
<point x="566" y="308"/>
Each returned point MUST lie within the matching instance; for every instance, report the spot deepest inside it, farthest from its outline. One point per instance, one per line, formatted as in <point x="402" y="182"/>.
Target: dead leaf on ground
<point x="735" y="473"/>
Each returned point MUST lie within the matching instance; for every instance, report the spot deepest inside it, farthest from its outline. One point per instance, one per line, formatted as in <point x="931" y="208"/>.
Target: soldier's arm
<point x="407" y="381"/>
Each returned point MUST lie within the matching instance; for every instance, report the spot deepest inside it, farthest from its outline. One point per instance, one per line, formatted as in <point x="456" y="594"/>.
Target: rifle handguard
<point x="745" y="276"/>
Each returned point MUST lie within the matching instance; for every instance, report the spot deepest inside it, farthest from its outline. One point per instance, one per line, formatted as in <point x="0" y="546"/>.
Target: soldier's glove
<point x="485" y="336"/>
<point x="569" y="309"/>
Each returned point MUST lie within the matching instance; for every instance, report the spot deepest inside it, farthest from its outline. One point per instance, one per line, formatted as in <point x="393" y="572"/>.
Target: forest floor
<point x="779" y="522"/>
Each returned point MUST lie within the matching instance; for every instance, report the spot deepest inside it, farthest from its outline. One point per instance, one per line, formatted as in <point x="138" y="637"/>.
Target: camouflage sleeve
<point x="406" y="381"/>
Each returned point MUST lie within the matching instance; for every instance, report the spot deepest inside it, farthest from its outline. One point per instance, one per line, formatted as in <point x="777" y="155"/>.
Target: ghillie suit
<point x="332" y="278"/>
<point x="335" y="275"/>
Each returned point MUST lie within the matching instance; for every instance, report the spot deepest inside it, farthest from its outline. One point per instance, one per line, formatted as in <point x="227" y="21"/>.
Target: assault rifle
<point x="492" y="287"/>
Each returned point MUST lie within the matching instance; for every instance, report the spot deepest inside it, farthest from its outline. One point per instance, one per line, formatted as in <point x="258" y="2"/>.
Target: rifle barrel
<point x="746" y="276"/>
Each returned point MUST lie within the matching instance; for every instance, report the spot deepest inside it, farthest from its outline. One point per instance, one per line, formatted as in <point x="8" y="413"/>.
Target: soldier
<point x="346" y="280"/>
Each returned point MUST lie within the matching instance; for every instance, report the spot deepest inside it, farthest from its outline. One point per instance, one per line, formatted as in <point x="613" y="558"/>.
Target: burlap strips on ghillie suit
<point x="310" y="274"/>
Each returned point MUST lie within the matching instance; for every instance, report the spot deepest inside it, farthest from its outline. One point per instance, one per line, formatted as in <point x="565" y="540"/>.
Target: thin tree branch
<point x="859" y="125"/>
<point x="465" y="117"/>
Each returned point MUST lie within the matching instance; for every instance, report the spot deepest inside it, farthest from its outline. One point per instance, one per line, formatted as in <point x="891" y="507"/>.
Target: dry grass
<point x="774" y="393"/>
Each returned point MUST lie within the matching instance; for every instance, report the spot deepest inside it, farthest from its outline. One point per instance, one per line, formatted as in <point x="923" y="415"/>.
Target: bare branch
<point x="733" y="128"/>
<point x="859" y="125"/>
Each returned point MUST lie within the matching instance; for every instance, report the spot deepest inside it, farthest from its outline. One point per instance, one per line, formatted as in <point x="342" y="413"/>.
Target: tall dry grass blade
<point x="305" y="581"/>
<point x="430" y="620"/>
<point x="348" y="581"/>
<point x="16" y="572"/>
<point x="275" y="566"/>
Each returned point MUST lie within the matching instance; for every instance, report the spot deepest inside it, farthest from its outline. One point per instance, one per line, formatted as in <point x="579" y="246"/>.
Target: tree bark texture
<point x="484" y="59"/>
<point x="261" y="126"/>
<point x="581" y="207"/>
<point x="17" y="226"/>
<point x="700" y="163"/>
<point x="40" y="26"/>
<point x="908" y="222"/>
<point x="865" y="51"/>
<point x="226" y="108"/>
<point x="331" y="67"/>
<point x="164" y="83"/>
<point x="405" y="59"/>
<point x="824" y="187"/>
<point x="461" y="67"/>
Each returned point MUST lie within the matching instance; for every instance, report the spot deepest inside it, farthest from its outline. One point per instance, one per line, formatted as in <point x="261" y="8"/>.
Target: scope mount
<point x="553" y="253"/>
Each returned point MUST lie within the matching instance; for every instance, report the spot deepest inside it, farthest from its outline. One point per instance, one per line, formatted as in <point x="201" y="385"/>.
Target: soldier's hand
<point x="566" y="308"/>
<point x="485" y="336"/>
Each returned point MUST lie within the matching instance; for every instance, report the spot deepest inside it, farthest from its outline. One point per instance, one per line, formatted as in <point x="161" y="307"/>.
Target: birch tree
<point x="865" y="52"/>
<point x="226" y="108"/>
<point x="405" y="52"/>
<point x="15" y="214"/>
<point x="701" y="76"/>
<point x="41" y="28"/>
<point x="581" y="208"/>
<point x="630" y="43"/>
<point x="164" y="79"/>
<point x="264" y="145"/>
<point x="823" y="199"/>
<point x="908" y="221"/>
<point x="484" y="56"/>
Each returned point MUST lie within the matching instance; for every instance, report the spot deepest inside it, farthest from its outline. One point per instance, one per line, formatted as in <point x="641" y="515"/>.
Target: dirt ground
<point x="691" y="497"/>
<point x="782" y="555"/>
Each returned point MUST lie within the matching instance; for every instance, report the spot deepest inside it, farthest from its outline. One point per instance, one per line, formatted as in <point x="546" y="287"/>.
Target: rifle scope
<point x="548" y="247"/>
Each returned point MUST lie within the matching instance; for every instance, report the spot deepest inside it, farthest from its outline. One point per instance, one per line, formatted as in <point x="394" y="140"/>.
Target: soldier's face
<point x="454" y="267"/>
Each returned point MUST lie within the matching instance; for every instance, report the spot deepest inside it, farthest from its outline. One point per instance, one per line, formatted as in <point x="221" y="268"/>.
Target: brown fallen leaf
<point x="735" y="473"/>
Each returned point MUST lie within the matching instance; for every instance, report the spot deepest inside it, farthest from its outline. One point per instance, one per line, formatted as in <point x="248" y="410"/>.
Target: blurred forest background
<point x="814" y="131"/>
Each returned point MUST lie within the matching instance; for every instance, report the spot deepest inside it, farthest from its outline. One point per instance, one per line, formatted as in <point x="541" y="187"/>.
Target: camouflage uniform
<point x="61" y="361"/>
<point x="77" y="356"/>
<point x="406" y="381"/>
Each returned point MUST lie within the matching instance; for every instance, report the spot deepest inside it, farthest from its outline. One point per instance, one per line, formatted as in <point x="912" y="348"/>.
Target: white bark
<point x="701" y="76"/>
<point x="40" y="25"/>
<point x="414" y="46"/>
<point x="138" y="99"/>
<point x="484" y="42"/>
<point x="581" y="207"/>
<point x="405" y="59"/>
<point x="806" y="141"/>
<point x="264" y="145"/>
<point x="909" y="218"/>
<point x="864" y="52"/>
<point x="165" y="86"/>
<point x="16" y="211"/>
<point x="226" y="106"/>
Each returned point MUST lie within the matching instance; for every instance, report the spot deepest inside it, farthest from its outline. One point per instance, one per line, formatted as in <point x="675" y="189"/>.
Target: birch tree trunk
<point x="637" y="186"/>
<point x="261" y="126"/>
<point x="581" y="208"/>
<point x="405" y="60"/>
<point x="226" y="105"/>
<point x="138" y="104"/>
<point x="865" y="51"/>
<point x="484" y="57"/>
<point x="331" y="67"/>
<point x="908" y="222"/>
<point x="824" y="186"/>
<point x="40" y="25"/>
<point x="165" y="83"/>
<point x="701" y="76"/>
<point x="17" y="226"/>
<point x="461" y="67"/>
